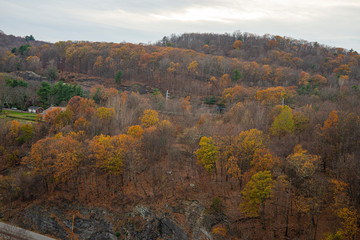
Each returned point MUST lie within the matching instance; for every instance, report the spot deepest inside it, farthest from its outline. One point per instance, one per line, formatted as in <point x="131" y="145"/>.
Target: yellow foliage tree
<point x="302" y="162"/>
<point x="150" y="118"/>
<point x="193" y="67"/>
<point x="104" y="113"/>
<point x="301" y="122"/>
<point x="135" y="131"/>
<point x="26" y="133"/>
<point x="347" y="215"/>
<point x="69" y="154"/>
<point x="107" y="153"/>
<point x="239" y="151"/>
<point x="349" y="224"/>
<point x="225" y="81"/>
<point x="207" y="154"/>
<point x="213" y="81"/>
<point x="283" y="123"/>
<point x="129" y="148"/>
<point x="219" y="230"/>
<point x="254" y="195"/>
<point x="173" y="67"/>
<point x="274" y="95"/>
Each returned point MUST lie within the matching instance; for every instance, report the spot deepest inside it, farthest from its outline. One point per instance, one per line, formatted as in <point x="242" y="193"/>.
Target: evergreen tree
<point x="118" y="77"/>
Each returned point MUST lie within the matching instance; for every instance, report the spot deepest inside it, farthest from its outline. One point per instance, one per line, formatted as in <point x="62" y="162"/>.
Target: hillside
<point x="200" y="136"/>
<point x="8" y="42"/>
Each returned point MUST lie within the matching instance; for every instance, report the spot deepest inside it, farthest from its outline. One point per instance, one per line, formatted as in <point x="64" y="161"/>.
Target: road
<point x="8" y="231"/>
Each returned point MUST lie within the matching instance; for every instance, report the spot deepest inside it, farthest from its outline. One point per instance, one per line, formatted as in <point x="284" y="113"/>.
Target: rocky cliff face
<point x="57" y="221"/>
<point x="29" y="76"/>
<point x="186" y="220"/>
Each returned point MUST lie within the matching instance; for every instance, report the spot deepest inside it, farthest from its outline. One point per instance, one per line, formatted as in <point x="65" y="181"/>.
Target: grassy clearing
<point x="17" y="115"/>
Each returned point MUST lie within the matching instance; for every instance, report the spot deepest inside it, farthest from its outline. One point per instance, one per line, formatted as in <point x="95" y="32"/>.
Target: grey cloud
<point x="329" y="22"/>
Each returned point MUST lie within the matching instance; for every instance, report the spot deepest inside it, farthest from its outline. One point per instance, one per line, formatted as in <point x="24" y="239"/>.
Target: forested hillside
<point x="199" y="136"/>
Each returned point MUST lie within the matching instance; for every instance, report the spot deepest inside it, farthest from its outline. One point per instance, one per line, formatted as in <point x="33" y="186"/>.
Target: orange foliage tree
<point x="235" y="94"/>
<point x="99" y="66"/>
<point x="304" y="78"/>
<point x="81" y="107"/>
<point x="274" y="95"/>
<point x="225" y="81"/>
<point x="185" y="105"/>
<point x="56" y="159"/>
<point x="237" y="44"/>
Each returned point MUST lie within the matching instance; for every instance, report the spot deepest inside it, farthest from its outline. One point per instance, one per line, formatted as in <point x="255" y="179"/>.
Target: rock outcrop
<point x="29" y="76"/>
<point x="141" y="223"/>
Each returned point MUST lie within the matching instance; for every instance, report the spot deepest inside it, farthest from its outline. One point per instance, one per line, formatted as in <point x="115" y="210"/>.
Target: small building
<point x="34" y="109"/>
<point x="52" y="108"/>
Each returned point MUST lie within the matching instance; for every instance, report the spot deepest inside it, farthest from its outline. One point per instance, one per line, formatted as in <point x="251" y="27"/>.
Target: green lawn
<point x="17" y="115"/>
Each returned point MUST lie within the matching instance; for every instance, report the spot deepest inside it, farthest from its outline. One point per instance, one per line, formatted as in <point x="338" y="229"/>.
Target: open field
<point x="17" y="115"/>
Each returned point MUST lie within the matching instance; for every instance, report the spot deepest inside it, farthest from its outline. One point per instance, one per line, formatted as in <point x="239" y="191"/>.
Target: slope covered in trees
<point x="262" y="131"/>
<point x="8" y="42"/>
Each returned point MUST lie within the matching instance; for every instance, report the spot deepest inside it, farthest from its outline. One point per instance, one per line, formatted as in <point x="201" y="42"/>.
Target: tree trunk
<point x="85" y="186"/>
<point x="288" y="213"/>
<point x="10" y="206"/>
<point x="262" y="215"/>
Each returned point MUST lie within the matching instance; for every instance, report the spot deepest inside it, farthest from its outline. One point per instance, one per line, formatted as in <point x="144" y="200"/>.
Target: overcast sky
<point x="330" y="22"/>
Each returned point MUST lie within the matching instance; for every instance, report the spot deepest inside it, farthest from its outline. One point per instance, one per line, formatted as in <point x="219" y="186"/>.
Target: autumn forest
<point x="198" y="136"/>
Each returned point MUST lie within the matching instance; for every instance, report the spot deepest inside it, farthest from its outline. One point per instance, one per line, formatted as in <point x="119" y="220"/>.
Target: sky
<point x="335" y="23"/>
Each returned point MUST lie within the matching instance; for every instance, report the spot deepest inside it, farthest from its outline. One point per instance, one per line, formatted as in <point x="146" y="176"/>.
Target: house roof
<point x="51" y="108"/>
<point x="35" y="108"/>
